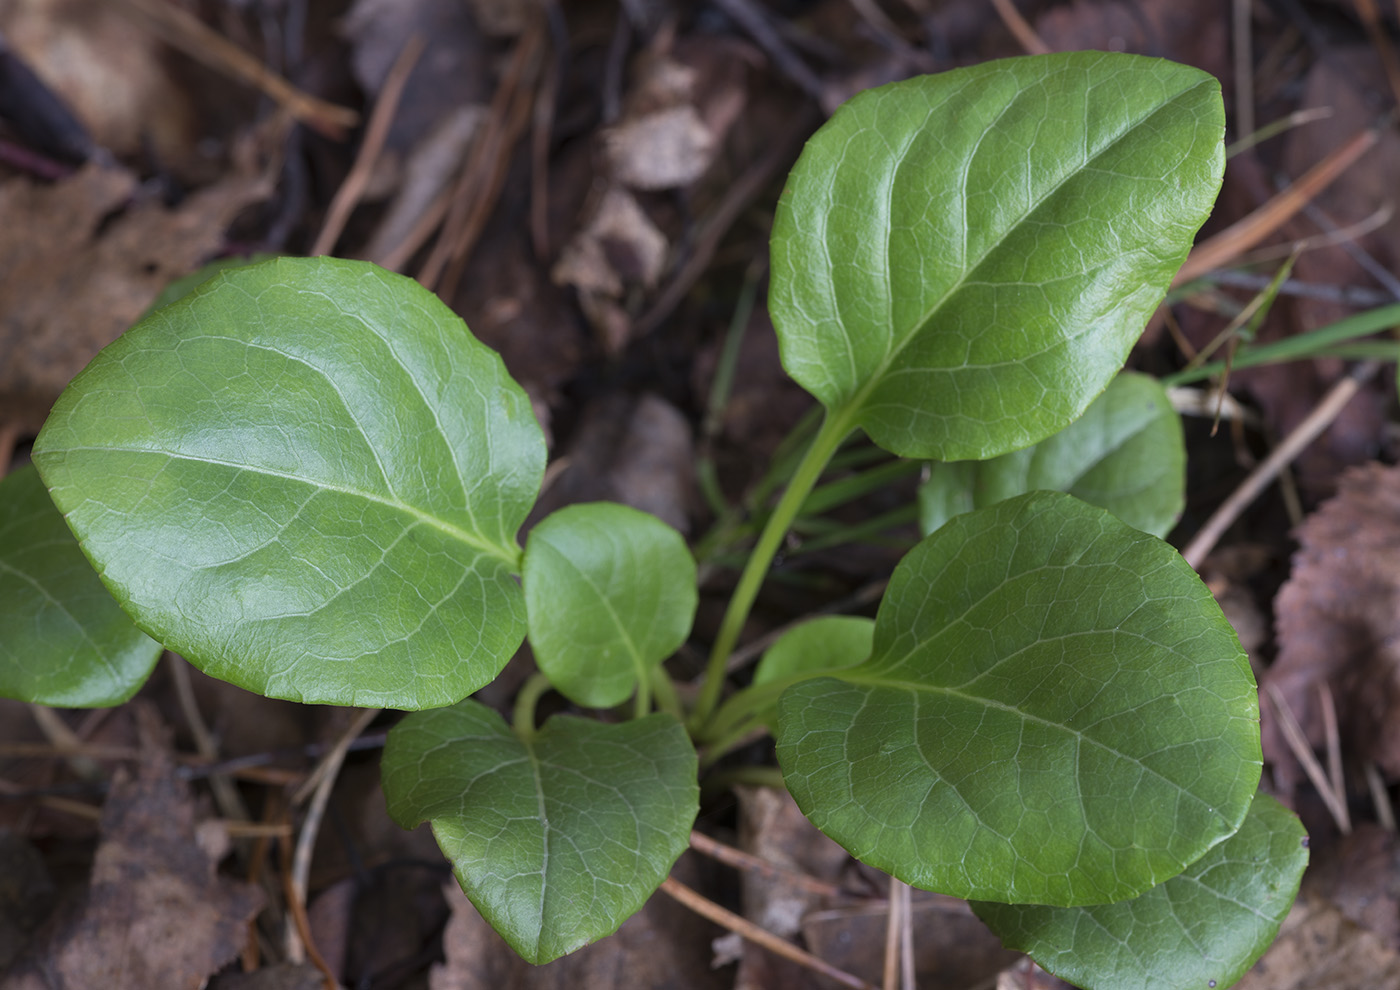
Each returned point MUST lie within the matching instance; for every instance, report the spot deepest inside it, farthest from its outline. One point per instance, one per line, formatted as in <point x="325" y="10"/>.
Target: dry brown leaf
<point x="662" y="150"/>
<point x="1338" y="622"/>
<point x="1319" y="947"/>
<point x="78" y="266"/>
<point x="1360" y="875"/>
<point x="108" y="70"/>
<point x="155" y="913"/>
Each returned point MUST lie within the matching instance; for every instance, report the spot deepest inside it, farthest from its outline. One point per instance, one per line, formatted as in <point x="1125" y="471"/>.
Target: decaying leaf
<point x="1319" y="947"/>
<point x="81" y="260"/>
<point x="1338" y="623"/>
<point x="155" y="913"/>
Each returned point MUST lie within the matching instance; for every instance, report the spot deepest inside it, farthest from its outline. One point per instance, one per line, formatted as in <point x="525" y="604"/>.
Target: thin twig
<point x="225" y="794"/>
<point x="1334" y="742"/>
<point x="1380" y="797"/>
<point x="1285" y="453"/>
<point x="899" y="939"/>
<point x="479" y="187"/>
<point x="1021" y="28"/>
<point x="183" y="30"/>
<point x="353" y="188"/>
<point x="322" y="780"/>
<point x="746" y="929"/>
<point x="1298" y="745"/>
<point x="753" y="22"/>
<point x="741" y="860"/>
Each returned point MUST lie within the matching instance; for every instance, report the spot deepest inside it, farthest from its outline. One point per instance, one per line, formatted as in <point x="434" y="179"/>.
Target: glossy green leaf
<point x="63" y="640"/>
<point x="1125" y="454"/>
<point x="557" y="839"/>
<point x="1200" y="929"/>
<point x="183" y="286"/>
<point x="306" y="477"/>
<point x="1055" y="712"/>
<point x="961" y="262"/>
<point x="610" y="593"/>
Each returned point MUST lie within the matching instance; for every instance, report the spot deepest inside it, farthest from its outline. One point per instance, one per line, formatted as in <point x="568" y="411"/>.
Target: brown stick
<point x="350" y="191"/>
<point x="1303" y="434"/>
<point x="1021" y="28"/>
<point x="744" y="928"/>
<point x="181" y="29"/>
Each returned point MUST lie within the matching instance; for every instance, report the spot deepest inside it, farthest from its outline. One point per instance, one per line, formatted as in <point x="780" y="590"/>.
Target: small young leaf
<point x="609" y="592"/>
<point x="961" y="262"/>
<point x="1203" y="928"/>
<point x="826" y="643"/>
<point x="66" y="642"/>
<point x="1056" y="712"/>
<point x="557" y="839"/>
<point x="1125" y="454"/>
<point x="306" y="477"/>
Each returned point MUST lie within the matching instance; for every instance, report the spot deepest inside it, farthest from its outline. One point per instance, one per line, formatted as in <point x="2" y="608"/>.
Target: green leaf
<point x="1198" y="930"/>
<point x="66" y="642"/>
<point x="306" y="477"/>
<point x="186" y="284"/>
<point x="826" y="643"/>
<point x="961" y="262"/>
<point x="1056" y="712"/>
<point x="818" y="645"/>
<point x="1125" y="454"/>
<point x="557" y="839"/>
<point x="610" y="592"/>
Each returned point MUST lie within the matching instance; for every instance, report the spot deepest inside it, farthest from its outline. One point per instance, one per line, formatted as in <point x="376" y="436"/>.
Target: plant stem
<point x="523" y="717"/>
<point x="663" y="689"/>
<point x="753" y="775"/>
<point x="833" y="430"/>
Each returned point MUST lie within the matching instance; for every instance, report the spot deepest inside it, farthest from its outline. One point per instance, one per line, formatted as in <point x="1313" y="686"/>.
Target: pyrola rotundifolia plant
<point x="309" y="479"/>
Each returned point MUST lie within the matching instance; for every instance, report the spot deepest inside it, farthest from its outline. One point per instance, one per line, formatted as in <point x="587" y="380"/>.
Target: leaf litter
<point x="654" y="115"/>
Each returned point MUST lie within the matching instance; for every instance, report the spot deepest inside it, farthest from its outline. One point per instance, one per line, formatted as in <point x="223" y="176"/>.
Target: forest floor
<point x="590" y="184"/>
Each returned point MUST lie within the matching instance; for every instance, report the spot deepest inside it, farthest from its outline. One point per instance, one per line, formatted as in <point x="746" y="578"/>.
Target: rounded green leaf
<point x="1055" y="712"/>
<point x="610" y="592"/>
<point x="558" y="839"/>
<point x="65" y="641"/>
<point x="961" y="262"/>
<point x="306" y="477"/>
<point x="829" y="642"/>
<point x="825" y="643"/>
<point x="1125" y="454"/>
<point x="1200" y="929"/>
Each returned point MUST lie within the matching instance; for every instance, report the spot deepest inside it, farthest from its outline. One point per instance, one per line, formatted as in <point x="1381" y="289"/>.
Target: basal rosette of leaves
<point x="308" y="477"/>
